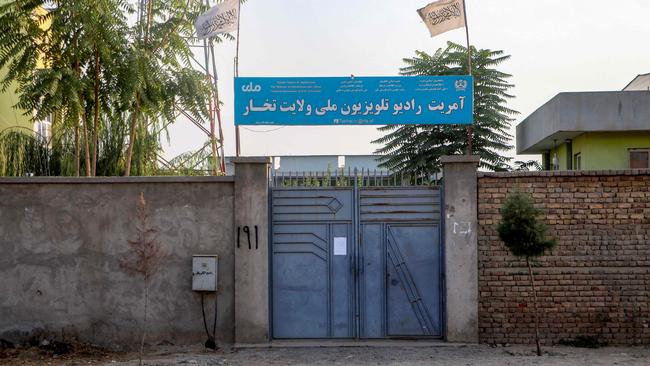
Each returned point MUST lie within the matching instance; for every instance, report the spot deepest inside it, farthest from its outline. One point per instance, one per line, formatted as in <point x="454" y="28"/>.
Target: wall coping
<point x="564" y="173"/>
<point x="251" y="160"/>
<point x="454" y="159"/>
<point x="114" y="180"/>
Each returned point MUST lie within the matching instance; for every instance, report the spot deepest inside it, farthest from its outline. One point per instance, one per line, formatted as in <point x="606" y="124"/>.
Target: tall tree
<point x="162" y="58"/>
<point x="111" y="85"/>
<point x="416" y="149"/>
<point x="63" y="53"/>
<point x="526" y="237"/>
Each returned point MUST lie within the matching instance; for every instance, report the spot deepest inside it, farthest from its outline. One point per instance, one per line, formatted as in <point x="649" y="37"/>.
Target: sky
<point x="555" y="46"/>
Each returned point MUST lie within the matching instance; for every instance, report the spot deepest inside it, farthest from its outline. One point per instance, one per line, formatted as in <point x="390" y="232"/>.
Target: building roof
<point x="641" y="82"/>
<point x="568" y="115"/>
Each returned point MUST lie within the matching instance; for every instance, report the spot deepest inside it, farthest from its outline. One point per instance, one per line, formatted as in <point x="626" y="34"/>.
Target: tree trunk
<point x="77" y="153"/>
<point x="532" y="285"/>
<point x="84" y="122"/>
<point x="96" y="116"/>
<point x="134" y="123"/>
<point x="136" y="110"/>
<point x="144" y="321"/>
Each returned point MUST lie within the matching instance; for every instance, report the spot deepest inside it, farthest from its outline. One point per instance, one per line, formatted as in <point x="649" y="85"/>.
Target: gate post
<point x="461" y="247"/>
<point x="251" y="265"/>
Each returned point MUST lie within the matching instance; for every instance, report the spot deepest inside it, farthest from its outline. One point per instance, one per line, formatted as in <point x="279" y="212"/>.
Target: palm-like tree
<point x="416" y="149"/>
<point x="111" y="86"/>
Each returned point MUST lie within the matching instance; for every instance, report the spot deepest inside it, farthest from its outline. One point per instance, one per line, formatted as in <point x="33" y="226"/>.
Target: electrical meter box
<point x="204" y="273"/>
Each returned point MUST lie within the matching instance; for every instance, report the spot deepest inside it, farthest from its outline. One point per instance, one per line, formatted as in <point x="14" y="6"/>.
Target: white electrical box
<point x="204" y="273"/>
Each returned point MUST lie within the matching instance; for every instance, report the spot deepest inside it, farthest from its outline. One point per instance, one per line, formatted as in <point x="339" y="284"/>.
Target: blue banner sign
<point x="315" y="101"/>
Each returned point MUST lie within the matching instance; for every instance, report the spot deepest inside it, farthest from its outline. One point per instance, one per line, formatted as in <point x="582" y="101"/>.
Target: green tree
<point x="416" y="149"/>
<point x="158" y="78"/>
<point x="60" y="52"/>
<point x="112" y="84"/>
<point x="525" y="236"/>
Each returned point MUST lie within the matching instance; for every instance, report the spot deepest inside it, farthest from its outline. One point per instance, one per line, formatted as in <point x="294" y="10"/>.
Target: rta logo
<point x="250" y="88"/>
<point x="461" y="85"/>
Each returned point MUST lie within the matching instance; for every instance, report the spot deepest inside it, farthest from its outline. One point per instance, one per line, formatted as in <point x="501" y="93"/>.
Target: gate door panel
<point x="400" y="259"/>
<point x="412" y="280"/>
<point x="313" y="250"/>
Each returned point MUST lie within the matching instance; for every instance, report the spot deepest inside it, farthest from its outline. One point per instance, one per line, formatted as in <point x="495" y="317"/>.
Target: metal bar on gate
<point x="350" y="175"/>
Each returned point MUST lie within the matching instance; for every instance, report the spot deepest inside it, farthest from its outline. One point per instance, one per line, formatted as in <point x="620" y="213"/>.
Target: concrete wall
<point x="252" y="264"/>
<point x="460" y="249"/>
<point x="595" y="282"/>
<point x="62" y="241"/>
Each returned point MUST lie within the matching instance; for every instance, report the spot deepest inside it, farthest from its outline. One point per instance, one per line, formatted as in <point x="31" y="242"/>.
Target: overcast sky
<point x="556" y="46"/>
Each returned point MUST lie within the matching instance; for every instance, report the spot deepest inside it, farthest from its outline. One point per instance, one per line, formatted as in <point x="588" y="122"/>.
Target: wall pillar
<point x="251" y="265"/>
<point x="461" y="247"/>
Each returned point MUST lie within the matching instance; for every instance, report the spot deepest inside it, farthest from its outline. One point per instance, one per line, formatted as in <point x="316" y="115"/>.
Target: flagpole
<point x="470" y="128"/>
<point x="237" y="142"/>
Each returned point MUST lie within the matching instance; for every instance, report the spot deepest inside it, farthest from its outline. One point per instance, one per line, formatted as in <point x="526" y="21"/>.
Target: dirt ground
<point x="447" y="355"/>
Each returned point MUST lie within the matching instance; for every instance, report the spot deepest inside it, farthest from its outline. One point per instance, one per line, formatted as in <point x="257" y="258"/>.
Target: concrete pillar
<point x="460" y="247"/>
<point x="251" y="265"/>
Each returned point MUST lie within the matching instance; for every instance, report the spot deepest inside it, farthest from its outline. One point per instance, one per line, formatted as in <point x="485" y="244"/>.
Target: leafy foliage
<point x="191" y="163"/>
<point x="22" y="154"/>
<point x="520" y="229"/>
<point x="519" y="166"/>
<point x="416" y="149"/>
<point x="524" y="166"/>
<point x="111" y="83"/>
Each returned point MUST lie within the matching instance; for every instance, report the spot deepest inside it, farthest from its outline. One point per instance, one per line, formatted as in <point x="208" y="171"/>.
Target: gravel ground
<point x="446" y="355"/>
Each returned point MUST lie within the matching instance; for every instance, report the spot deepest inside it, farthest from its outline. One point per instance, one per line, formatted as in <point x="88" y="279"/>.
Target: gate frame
<point x="356" y="225"/>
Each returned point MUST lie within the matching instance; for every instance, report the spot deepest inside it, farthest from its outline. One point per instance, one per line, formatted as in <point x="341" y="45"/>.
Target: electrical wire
<point x="211" y="342"/>
<point x="205" y="323"/>
<point x="214" y="326"/>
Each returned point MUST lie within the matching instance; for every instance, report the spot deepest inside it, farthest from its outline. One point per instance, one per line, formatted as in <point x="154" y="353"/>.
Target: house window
<point x="640" y="159"/>
<point x="577" y="161"/>
<point x="44" y="128"/>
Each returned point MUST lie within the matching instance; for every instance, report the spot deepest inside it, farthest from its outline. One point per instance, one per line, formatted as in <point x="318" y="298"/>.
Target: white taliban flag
<point x="221" y="18"/>
<point x="443" y="15"/>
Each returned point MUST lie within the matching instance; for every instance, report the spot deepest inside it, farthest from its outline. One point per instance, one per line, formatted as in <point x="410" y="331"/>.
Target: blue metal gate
<point x="356" y="262"/>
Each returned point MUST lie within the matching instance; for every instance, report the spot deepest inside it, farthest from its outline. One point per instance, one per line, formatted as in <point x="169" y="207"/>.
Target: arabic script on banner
<point x="353" y="101"/>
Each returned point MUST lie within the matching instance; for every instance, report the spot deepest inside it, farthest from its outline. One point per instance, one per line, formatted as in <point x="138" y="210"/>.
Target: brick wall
<point x="596" y="282"/>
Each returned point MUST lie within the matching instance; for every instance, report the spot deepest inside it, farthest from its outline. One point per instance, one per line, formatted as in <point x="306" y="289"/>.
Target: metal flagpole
<point x="237" y="142"/>
<point x="470" y="128"/>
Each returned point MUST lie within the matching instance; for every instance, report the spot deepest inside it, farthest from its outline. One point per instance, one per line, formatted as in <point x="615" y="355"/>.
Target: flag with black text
<point x="442" y="16"/>
<point x="221" y="18"/>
